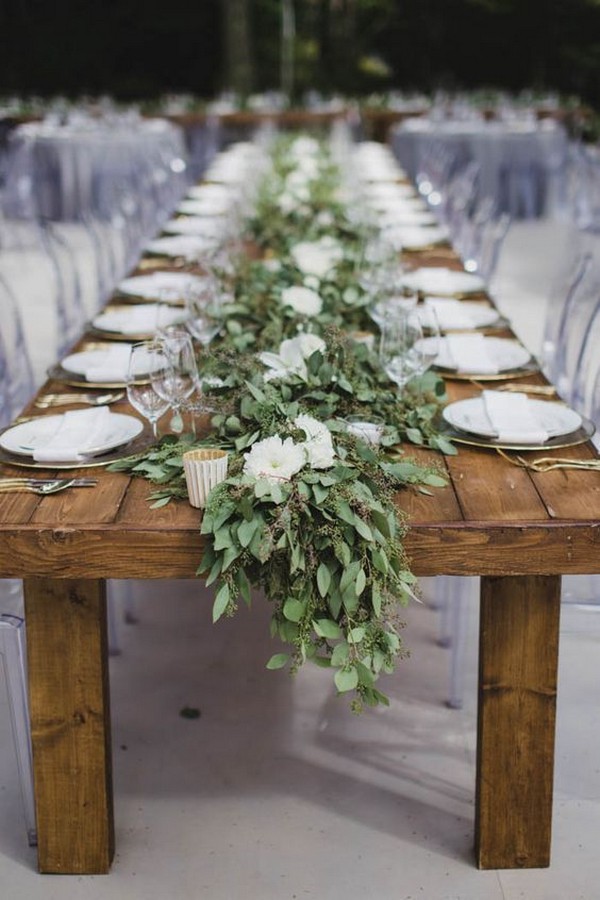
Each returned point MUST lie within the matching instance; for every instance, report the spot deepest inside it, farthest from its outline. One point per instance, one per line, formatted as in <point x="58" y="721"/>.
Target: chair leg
<point x="452" y="598"/>
<point x="12" y="647"/>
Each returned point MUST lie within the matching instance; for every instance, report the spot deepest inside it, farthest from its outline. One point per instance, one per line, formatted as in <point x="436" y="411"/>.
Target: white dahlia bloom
<point x="302" y="300"/>
<point x="317" y="257"/>
<point x="319" y="446"/>
<point x="274" y="459"/>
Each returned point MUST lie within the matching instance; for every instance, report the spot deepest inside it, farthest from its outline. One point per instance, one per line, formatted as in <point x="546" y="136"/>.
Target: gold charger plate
<point x="560" y="442"/>
<point x="144" y="440"/>
<point x="507" y="374"/>
<point x="57" y="373"/>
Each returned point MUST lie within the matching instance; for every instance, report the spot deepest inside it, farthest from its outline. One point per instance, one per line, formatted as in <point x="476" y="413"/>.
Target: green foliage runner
<point x="307" y="512"/>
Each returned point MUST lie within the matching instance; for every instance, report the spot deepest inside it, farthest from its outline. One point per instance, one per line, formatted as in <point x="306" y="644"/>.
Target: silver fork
<point x="48" y="400"/>
<point x="42" y="485"/>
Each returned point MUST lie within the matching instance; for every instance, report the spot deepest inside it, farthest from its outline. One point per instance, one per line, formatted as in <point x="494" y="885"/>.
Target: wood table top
<point x="492" y="518"/>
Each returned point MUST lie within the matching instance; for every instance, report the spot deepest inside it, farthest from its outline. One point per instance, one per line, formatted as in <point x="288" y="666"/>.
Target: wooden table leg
<point x="518" y="664"/>
<point x="70" y="724"/>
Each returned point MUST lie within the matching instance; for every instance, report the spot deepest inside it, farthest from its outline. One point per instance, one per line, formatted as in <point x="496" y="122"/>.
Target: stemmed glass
<point x="174" y="375"/>
<point x="145" y="356"/>
<point x="204" y="311"/>
<point x="404" y="352"/>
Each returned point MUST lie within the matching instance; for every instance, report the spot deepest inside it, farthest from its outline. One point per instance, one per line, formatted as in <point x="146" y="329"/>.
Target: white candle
<point x="368" y="431"/>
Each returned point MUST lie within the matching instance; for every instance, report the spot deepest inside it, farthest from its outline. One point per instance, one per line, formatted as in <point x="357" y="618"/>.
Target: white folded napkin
<point x="109" y="365"/>
<point x="469" y="354"/>
<point x="78" y="434"/>
<point x="513" y="418"/>
<point x="141" y="319"/>
<point x="451" y="314"/>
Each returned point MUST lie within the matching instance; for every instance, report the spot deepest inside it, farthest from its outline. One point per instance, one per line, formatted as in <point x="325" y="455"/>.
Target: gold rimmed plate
<point x="559" y="442"/>
<point x="520" y="372"/>
<point x="130" y="447"/>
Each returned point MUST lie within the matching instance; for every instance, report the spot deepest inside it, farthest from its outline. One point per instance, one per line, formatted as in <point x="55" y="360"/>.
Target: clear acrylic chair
<point x="577" y="314"/>
<point x="16" y="376"/>
<point x="579" y="258"/>
<point x="13" y="653"/>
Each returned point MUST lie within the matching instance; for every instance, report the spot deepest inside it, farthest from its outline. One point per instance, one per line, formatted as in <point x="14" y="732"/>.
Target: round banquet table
<point x="522" y="164"/>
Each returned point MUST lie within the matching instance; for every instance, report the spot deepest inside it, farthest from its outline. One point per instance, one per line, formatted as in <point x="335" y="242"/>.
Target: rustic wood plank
<point x="436" y="549"/>
<point x="440" y="505"/>
<point x="70" y="724"/>
<point x="136" y="509"/>
<point x="491" y="489"/>
<point x="518" y="669"/>
<point x="566" y="492"/>
<point x="81" y="506"/>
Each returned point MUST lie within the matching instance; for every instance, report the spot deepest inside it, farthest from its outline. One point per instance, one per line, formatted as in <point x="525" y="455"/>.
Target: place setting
<point x="515" y="421"/>
<point x="167" y="287"/>
<point x="136" y="322"/>
<point x="461" y="315"/>
<point x="469" y="356"/>
<point x="80" y="438"/>
<point x="99" y="366"/>
<point x="440" y="281"/>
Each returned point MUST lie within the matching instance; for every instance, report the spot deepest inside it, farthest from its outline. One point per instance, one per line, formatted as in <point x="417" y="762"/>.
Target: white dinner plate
<point x="168" y="287"/>
<point x="470" y="415"/>
<point x="505" y="353"/>
<point x="189" y="246"/>
<point x="446" y="282"/>
<point x="208" y="207"/>
<point x="416" y="237"/>
<point x="26" y="438"/>
<point x="112" y="364"/>
<point x="137" y="319"/>
<point x="480" y="315"/>
<point x="198" y="225"/>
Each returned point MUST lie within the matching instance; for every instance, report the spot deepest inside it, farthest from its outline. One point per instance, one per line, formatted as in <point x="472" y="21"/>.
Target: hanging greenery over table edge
<point x="307" y="512"/>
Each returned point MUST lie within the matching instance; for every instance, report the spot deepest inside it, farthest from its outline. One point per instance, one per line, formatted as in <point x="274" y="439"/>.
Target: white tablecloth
<point x="63" y="171"/>
<point x="522" y="164"/>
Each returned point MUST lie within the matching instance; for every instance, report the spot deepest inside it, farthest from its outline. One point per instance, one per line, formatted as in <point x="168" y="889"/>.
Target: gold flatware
<point x="158" y="262"/>
<point x="550" y="463"/>
<point x="48" y="400"/>
<point x="43" y="485"/>
<point x="541" y="390"/>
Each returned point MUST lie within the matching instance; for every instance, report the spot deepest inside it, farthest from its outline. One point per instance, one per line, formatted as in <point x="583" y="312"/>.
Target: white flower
<point x="290" y="360"/>
<point x="312" y="428"/>
<point x="297" y="184"/>
<point x="274" y="459"/>
<point x="287" y="203"/>
<point x="318" y="446"/>
<point x="317" y="257"/>
<point x="304" y="146"/>
<point x="302" y="300"/>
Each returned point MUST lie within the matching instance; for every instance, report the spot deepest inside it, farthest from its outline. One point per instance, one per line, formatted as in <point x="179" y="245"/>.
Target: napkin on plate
<point x="78" y="434"/>
<point x="513" y="418"/>
<point x="469" y="354"/>
<point x="109" y="365"/>
<point x="451" y="314"/>
<point x="142" y="319"/>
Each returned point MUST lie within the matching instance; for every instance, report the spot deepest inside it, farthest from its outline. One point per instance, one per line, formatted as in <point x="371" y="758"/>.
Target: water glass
<point x="145" y="356"/>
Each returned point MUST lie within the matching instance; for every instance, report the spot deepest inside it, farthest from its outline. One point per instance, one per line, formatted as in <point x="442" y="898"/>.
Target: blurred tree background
<point x="135" y="49"/>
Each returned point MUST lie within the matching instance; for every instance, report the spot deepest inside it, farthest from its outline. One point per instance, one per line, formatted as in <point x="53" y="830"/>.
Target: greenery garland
<point x="307" y="511"/>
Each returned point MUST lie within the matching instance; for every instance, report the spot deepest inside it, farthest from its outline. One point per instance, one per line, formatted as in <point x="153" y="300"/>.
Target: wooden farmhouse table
<point x="519" y="530"/>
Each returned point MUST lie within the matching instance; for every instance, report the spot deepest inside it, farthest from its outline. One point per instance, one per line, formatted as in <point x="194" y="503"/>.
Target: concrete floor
<point x="277" y="791"/>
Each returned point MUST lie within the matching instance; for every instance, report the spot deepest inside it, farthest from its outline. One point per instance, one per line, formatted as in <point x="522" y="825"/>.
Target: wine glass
<point x="141" y="394"/>
<point x="204" y="311"/>
<point x="401" y="348"/>
<point x="174" y="376"/>
<point x="390" y="304"/>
